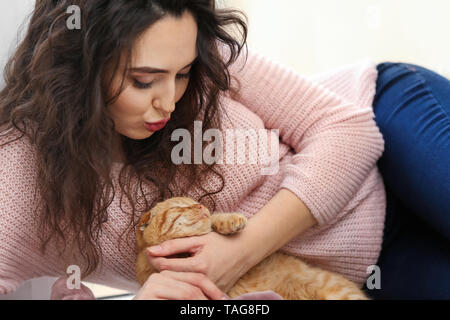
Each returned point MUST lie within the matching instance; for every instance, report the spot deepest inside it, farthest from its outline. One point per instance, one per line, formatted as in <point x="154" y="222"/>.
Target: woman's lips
<point x="155" y="126"/>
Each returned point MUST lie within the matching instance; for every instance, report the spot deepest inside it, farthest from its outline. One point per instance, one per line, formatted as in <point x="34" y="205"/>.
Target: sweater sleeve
<point x="335" y="138"/>
<point x="19" y="257"/>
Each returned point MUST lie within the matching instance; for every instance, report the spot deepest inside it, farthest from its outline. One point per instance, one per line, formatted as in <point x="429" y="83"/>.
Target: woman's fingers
<point x="199" y="280"/>
<point x="192" y="264"/>
<point x="163" y="287"/>
<point x="175" y="246"/>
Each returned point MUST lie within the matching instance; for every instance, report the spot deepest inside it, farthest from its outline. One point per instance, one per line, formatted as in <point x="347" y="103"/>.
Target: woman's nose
<point x="165" y="102"/>
<point x="166" y="109"/>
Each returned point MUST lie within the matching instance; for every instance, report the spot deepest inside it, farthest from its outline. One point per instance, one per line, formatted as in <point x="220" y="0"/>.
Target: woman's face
<point x="150" y="95"/>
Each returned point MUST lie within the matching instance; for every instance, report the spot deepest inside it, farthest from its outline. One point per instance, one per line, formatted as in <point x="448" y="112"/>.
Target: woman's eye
<point x="142" y="85"/>
<point x="184" y="76"/>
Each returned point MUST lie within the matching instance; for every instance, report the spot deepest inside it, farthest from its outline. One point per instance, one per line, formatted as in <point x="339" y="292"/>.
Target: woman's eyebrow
<point x="156" y="70"/>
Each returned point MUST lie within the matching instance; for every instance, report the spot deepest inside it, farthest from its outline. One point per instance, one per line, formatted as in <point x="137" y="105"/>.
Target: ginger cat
<point x="282" y="273"/>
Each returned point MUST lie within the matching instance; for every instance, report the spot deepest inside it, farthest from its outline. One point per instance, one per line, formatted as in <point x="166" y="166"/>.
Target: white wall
<point x="12" y="15"/>
<point x="315" y="35"/>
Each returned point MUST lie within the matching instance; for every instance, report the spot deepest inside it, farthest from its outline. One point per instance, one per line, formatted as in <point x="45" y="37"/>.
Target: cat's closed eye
<point x="180" y="255"/>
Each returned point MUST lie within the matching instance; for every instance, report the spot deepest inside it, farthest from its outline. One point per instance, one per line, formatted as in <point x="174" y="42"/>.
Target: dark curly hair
<point x="54" y="96"/>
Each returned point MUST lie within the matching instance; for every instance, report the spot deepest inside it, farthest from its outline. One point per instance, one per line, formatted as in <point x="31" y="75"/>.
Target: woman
<point x="86" y="96"/>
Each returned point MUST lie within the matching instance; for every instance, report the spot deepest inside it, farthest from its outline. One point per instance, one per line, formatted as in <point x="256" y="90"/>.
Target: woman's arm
<point x="333" y="133"/>
<point x="284" y="217"/>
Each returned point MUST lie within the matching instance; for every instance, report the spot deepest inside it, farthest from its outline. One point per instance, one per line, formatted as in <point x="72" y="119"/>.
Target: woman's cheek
<point x="133" y="102"/>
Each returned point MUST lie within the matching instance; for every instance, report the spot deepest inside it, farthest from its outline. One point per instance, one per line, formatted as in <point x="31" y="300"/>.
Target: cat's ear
<point x="146" y="218"/>
<point x="144" y="221"/>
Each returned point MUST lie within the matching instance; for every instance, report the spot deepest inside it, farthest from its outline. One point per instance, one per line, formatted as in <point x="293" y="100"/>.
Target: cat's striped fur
<point x="287" y="275"/>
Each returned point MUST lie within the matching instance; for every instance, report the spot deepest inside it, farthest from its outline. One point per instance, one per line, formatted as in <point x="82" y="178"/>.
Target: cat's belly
<point x="270" y="274"/>
<point x="294" y="279"/>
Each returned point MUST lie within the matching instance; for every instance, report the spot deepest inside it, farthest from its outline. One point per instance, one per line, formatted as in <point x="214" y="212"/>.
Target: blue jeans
<point x="412" y="108"/>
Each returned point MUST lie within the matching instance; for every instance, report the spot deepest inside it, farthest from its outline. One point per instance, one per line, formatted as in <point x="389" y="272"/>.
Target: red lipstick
<point x="156" y="126"/>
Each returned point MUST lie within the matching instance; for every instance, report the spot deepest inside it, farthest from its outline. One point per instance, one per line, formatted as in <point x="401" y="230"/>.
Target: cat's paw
<point x="228" y="223"/>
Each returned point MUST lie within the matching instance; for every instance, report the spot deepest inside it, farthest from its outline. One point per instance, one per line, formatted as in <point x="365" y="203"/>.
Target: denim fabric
<point x="412" y="108"/>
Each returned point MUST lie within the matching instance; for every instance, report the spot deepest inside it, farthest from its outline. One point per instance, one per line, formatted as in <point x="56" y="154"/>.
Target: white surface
<point x="126" y="297"/>
<point x="101" y="291"/>
<point x="35" y="289"/>
<point x="40" y="289"/>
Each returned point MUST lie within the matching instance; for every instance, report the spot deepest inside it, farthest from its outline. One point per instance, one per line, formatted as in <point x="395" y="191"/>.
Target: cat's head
<point x="173" y="218"/>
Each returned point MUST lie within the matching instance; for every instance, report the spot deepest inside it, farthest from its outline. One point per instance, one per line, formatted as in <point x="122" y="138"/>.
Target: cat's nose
<point x="204" y="210"/>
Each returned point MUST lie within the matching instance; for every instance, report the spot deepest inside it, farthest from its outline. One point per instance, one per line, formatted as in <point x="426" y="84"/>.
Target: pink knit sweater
<point x="327" y="156"/>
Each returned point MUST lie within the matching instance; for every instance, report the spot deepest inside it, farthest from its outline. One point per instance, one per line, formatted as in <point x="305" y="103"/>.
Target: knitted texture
<point x="328" y="148"/>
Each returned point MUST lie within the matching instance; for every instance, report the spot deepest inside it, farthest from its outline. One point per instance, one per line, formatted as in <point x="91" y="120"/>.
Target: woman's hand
<point x="223" y="259"/>
<point x="169" y="285"/>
